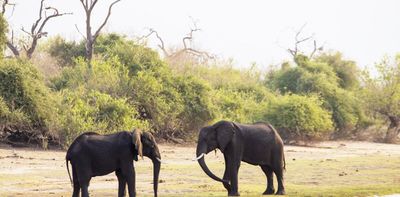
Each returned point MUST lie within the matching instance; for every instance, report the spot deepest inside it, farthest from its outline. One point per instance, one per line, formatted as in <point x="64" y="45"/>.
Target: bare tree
<point x="298" y="40"/>
<point x="88" y="6"/>
<point x="37" y="30"/>
<point x="187" y="49"/>
<point x="5" y="4"/>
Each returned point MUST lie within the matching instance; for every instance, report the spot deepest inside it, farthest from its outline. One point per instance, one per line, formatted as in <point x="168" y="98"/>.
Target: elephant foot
<point x="233" y="194"/>
<point x="269" y="191"/>
<point x="280" y="192"/>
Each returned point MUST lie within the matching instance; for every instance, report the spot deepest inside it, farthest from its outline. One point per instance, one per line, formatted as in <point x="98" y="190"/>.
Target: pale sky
<point x="248" y="31"/>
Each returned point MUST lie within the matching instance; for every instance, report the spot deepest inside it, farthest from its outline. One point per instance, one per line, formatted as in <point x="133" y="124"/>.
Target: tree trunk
<point x="393" y="129"/>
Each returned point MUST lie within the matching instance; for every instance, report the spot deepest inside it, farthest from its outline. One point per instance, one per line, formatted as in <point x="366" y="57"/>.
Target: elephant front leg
<point x="121" y="183"/>
<point x="128" y="172"/>
<point x="234" y="180"/>
<point x="226" y="185"/>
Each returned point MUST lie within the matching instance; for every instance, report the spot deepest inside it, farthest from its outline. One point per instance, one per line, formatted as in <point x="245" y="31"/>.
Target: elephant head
<point x="210" y="138"/>
<point x="148" y="147"/>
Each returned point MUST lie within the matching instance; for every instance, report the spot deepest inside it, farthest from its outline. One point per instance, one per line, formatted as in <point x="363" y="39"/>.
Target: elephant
<point x="256" y="144"/>
<point x="92" y="154"/>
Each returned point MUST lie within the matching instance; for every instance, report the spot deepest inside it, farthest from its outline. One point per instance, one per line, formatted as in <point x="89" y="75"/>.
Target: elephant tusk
<point x="199" y="157"/>
<point x="159" y="160"/>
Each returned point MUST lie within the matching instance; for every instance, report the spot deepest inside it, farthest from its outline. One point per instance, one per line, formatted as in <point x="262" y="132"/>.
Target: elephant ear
<point x="137" y="143"/>
<point x="225" y="134"/>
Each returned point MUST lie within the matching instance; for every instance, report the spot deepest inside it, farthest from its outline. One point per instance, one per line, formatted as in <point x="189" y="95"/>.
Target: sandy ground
<point x="43" y="172"/>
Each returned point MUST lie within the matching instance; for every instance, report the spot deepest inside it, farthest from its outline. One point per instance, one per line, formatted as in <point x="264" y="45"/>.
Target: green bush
<point x="64" y="51"/>
<point x="319" y="77"/>
<point x="108" y="76"/>
<point x="90" y="110"/>
<point x="12" y="118"/>
<point x="175" y="106"/>
<point x="3" y="35"/>
<point x="245" y="107"/>
<point x="26" y="99"/>
<point x="300" y="116"/>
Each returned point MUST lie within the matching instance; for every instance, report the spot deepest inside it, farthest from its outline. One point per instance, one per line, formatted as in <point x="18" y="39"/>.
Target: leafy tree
<point x="25" y="100"/>
<point x="300" y="116"/>
<point x="89" y="110"/>
<point x="65" y="51"/>
<point x="346" y="70"/>
<point x="382" y="94"/>
<point x="318" y="77"/>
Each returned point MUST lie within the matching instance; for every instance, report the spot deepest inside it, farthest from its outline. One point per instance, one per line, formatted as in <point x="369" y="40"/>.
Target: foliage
<point x="345" y="70"/>
<point x="382" y="96"/>
<point x="318" y="77"/>
<point x="174" y="105"/>
<point x="65" y="51"/>
<point x="108" y="76"/>
<point x="382" y="93"/>
<point x="3" y="34"/>
<point x="90" y="110"/>
<point x="300" y="116"/>
<point x="10" y="118"/>
<point x="25" y="100"/>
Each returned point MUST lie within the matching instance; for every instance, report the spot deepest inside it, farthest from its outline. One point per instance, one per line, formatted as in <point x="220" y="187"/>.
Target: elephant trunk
<point x="200" y="152"/>
<point x="156" y="173"/>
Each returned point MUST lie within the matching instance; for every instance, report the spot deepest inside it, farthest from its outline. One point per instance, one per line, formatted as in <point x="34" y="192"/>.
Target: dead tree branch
<point x="88" y="6"/>
<point x="186" y="41"/>
<point x="4" y="4"/>
<point x="298" y="40"/>
<point x="37" y="30"/>
<point x="161" y="45"/>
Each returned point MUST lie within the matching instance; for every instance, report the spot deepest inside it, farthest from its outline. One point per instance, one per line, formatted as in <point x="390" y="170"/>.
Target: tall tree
<point x="88" y="6"/>
<point x="382" y="94"/>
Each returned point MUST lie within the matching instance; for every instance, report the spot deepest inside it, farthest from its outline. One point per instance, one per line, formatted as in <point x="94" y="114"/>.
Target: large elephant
<point x="93" y="155"/>
<point x="256" y="144"/>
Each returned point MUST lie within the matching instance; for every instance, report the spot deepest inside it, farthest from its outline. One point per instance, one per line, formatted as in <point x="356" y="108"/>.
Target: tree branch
<point x="161" y="45"/>
<point x="105" y="20"/>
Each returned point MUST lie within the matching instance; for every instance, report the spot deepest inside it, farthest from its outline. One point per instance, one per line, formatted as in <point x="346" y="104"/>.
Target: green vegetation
<point x="26" y="102"/>
<point x="3" y="37"/>
<point x="300" y="116"/>
<point x="129" y="85"/>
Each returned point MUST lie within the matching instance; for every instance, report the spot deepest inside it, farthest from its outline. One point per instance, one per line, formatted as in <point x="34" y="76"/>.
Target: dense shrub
<point x="108" y="76"/>
<point x="300" y="116"/>
<point x="65" y="51"/>
<point x="3" y="35"/>
<point x="90" y="110"/>
<point x="25" y="100"/>
<point x="175" y="106"/>
<point x="346" y="70"/>
<point x="318" y="77"/>
<point x="11" y="118"/>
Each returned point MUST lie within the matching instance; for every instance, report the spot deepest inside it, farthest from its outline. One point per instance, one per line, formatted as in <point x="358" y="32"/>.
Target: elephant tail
<point x="284" y="162"/>
<point x="69" y="174"/>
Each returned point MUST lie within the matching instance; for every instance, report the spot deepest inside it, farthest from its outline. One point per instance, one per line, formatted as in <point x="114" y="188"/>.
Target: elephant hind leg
<point x="76" y="184"/>
<point x="279" y="176"/>
<point x="270" y="179"/>
<point x="83" y="179"/>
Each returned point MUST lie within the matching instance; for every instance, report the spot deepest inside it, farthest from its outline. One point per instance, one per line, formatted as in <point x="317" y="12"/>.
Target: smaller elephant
<point x="256" y="144"/>
<point x="93" y="155"/>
